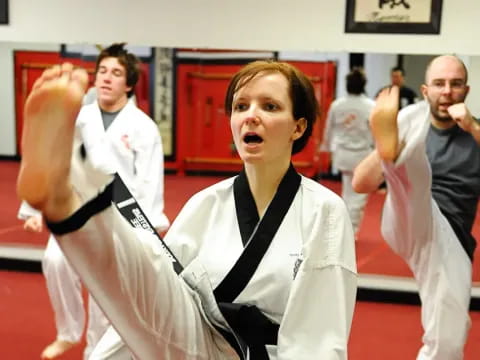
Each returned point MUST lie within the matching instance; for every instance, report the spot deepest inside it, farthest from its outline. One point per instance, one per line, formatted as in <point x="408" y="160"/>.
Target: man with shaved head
<point x="430" y="157"/>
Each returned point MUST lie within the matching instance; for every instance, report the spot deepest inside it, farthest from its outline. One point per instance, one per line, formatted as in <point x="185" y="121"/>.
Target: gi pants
<point x="111" y="347"/>
<point x="65" y="293"/>
<point x="155" y="312"/>
<point x="414" y="227"/>
<point x="346" y="160"/>
<point x="355" y="201"/>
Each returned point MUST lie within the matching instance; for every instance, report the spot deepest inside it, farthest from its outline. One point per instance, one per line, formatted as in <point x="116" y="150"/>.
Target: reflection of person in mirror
<point x="268" y="255"/>
<point x="117" y="137"/>
<point x="91" y="96"/>
<point x="407" y="96"/>
<point x="430" y="158"/>
<point x="347" y="136"/>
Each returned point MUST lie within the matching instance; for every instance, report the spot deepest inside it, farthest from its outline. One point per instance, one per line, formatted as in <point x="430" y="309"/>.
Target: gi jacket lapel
<point x="256" y="234"/>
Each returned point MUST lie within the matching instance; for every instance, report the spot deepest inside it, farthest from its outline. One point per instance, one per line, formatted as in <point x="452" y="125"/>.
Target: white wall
<point x="303" y="26"/>
<point x="315" y="25"/>
<point x="342" y="61"/>
<point x="8" y="139"/>
<point x="473" y="99"/>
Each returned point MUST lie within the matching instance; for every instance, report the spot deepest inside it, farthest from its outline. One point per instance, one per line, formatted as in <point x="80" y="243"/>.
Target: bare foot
<point x="383" y="123"/>
<point x="56" y="349"/>
<point x="50" y="113"/>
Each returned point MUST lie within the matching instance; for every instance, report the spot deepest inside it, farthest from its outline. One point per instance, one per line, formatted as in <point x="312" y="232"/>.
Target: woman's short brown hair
<point x="302" y="93"/>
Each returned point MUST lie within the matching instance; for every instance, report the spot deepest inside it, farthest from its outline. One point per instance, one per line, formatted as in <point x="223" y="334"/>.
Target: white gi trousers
<point x="155" y="312"/>
<point x="111" y="347"/>
<point x="346" y="160"/>
<point x="65" y="293"/>
<point x="414" y="227"/>
<point x="355" y="201"/>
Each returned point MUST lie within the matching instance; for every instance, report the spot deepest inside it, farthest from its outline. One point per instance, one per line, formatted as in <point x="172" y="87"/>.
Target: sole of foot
<point x="49" y="124"/>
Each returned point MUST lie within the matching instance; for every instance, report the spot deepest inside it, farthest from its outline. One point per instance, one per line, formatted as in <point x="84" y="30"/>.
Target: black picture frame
<point x="3" y="12"/>
<point x="376" y="27"/>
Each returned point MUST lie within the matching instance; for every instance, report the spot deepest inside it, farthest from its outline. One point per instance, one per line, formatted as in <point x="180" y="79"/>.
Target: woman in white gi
<point x="430" y="158"/>
<point x="289" y="237"/>
<point x="117" y="137"/>
<point x="347" y="137"/>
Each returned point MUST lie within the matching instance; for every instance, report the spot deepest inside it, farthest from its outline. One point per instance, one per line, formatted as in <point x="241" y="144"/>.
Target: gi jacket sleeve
<point x="318" y="316"/>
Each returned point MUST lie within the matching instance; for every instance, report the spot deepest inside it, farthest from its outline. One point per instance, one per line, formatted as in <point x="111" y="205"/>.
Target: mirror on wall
<point x="183" y="89"/>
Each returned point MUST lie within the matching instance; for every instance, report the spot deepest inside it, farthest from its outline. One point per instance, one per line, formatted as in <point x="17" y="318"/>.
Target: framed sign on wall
<point x="393" y="16"/>
<point x="3" y="12"/>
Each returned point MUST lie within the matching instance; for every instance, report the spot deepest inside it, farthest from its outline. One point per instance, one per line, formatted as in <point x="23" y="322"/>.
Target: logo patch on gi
<point x="297" y="264"/>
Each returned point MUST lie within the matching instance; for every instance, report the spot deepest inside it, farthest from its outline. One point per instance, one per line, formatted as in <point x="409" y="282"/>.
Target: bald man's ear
<point x="424" y="90"/>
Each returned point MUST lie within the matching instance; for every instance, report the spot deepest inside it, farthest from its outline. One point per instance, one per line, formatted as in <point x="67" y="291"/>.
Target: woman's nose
<point x="252" y="115"/>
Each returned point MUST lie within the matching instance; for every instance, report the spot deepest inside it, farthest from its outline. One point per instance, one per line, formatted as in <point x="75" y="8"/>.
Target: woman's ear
<point x="300" y="127"/>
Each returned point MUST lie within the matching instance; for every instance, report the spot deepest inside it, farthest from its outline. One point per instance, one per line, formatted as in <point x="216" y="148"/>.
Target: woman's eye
<point x="240" y="107"/>
<point x="271" y="107"/>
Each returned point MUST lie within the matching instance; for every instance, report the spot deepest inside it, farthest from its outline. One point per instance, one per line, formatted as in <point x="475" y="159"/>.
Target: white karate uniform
<point x="414" y="227"/>
<point x="132" y="147"/>
<point x="348" y="138"/>
<point x="306" y="281"/>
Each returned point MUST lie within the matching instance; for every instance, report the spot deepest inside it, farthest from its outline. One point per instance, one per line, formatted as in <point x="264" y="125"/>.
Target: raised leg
<point x="50" y="113"/>
<point x="414" y="227"/>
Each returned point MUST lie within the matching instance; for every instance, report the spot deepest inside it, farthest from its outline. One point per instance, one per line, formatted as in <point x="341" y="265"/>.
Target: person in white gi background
<point x="430" y="158"/>
<point x="347" y="136"/>
<point x="117" y="137"/>
<point x="288" y="239"/>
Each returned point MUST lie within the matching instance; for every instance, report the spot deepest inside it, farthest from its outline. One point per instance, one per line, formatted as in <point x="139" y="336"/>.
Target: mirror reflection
<point x="182" y="90"/>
